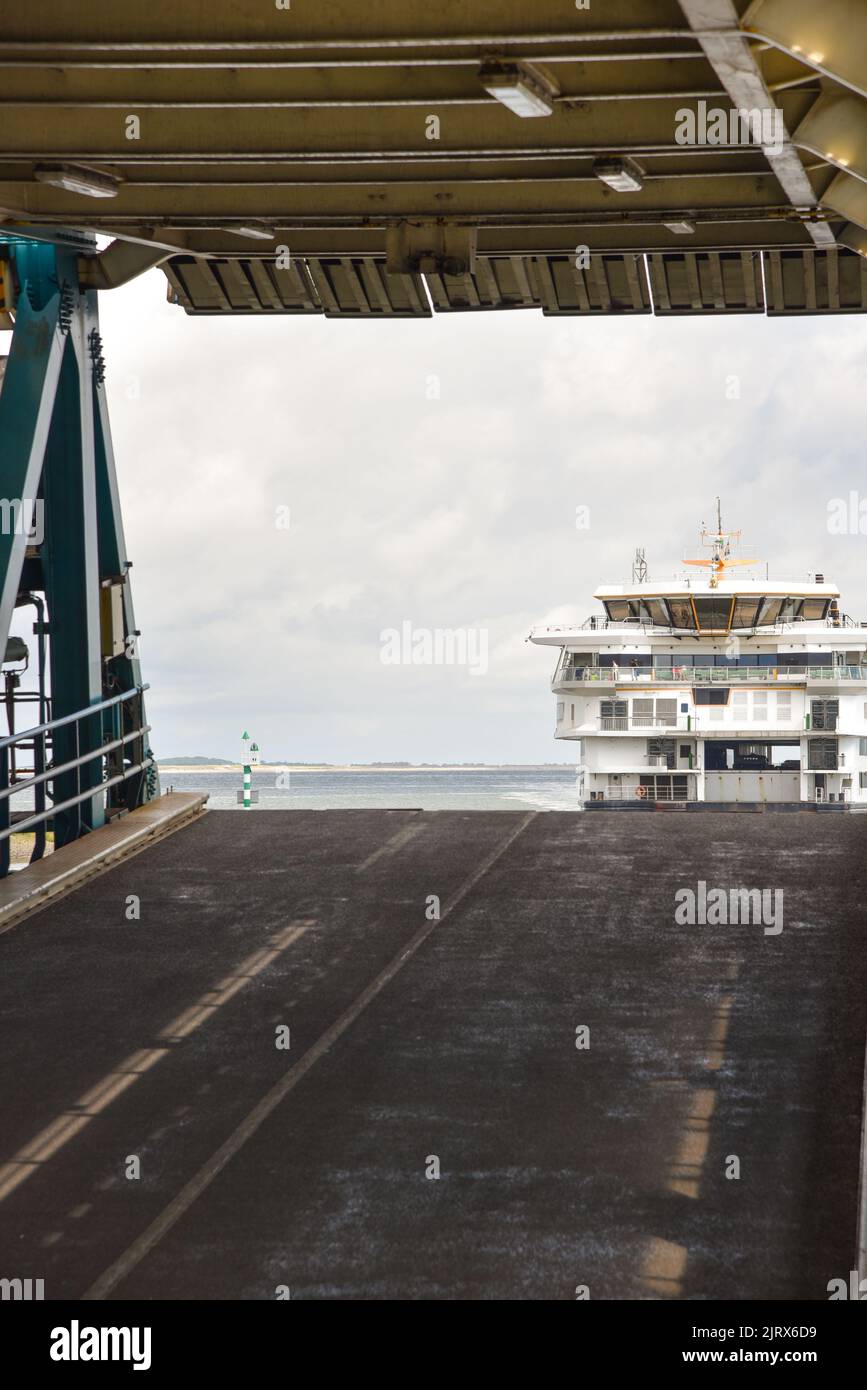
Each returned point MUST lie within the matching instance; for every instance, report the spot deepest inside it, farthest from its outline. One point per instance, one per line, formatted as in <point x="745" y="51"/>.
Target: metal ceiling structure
<point x="355" y="140"/>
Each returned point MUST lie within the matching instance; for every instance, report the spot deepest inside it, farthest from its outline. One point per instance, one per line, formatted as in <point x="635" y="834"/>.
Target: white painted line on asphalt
<point x="171" y="1214"/>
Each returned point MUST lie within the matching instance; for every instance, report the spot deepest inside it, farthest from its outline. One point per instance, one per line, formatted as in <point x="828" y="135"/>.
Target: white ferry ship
<point x="715" y="691"/>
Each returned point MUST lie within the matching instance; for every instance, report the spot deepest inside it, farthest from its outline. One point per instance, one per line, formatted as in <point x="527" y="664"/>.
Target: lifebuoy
<point x="641" y="791"/>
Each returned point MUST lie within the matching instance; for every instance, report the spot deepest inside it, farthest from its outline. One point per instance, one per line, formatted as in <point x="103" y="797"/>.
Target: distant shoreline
<point x="361" y="768"/>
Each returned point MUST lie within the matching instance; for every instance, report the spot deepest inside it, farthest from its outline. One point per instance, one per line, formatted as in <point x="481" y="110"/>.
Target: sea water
<point x="489" y="789"/>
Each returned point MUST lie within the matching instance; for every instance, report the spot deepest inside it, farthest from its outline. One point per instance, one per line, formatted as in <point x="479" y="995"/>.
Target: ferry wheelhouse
<point x="712" y="691"/>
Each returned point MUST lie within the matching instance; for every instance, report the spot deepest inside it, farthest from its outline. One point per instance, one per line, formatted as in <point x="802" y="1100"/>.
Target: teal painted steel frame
<point x="56" y="452"/>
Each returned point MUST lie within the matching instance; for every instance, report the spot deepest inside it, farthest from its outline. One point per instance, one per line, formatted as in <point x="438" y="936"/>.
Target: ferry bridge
<point x="438" y="1125"/>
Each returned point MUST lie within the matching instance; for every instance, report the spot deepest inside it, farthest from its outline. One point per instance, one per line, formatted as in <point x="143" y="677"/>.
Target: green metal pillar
<point x="56" y="457"/>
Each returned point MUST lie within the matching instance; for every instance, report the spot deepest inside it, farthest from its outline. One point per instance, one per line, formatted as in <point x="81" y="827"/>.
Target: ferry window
<point x="681" y="613"/>
<point x="814" y="609"/>
<point x="862" y="747"/>
<point x="613" y="713"/>
<point x="656" y="613"/>
<point x="617" y="610"/>
<point x="770" y="611"/>
<point x="862" y="780"/>
<point x="823" y="713"/>
<point x="560" y="708"/>
<point x="760" y="706"/>
<point x="719" y="696"/>
<point x="666" y="712"/>
<point x="784" y="704"/>
<point x="713" y="612"/>
<point x="746" y="612"/>
<point x="642" y="714"/>
<point x="822" y="754"/>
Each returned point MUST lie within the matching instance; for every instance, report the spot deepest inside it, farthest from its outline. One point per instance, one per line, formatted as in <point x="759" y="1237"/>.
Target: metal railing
<point x="662" y="791"/>
<point x="706" y="675"/>
<point x="45" y="771"/>
<point x="602" y="624"/>
<point x="616" y="723"/>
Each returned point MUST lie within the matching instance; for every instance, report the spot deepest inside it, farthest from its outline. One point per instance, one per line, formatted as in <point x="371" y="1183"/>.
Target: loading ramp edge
<point x="27" y="890"/>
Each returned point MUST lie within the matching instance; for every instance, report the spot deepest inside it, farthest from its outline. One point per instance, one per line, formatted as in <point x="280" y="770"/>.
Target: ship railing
<point x="602" y="624"/>
<point x="662" y="789"/>
<point x="704" y="675"/>
<point x="618" y="723"/>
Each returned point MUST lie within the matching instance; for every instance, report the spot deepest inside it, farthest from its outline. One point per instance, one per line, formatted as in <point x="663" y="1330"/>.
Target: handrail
<point x="39" y="737"/>
<point x="85" y="713"/>
<point x="23" y="825"/>
<point x="692" y="675"/>
<point x="599" y="623"/>
<point x="57" y="769"/>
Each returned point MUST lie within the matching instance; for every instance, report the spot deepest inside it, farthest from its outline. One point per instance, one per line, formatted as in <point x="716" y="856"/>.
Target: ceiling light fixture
<point x="623" y="175"/>
<point x="256" y="231"/>
<point x="518" y="86"/>
<point x="73" y="178"/>
<point x="683" y="227"/>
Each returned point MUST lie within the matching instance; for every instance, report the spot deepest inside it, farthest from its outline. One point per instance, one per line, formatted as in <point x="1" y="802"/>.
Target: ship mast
<point x="720" y="544"/>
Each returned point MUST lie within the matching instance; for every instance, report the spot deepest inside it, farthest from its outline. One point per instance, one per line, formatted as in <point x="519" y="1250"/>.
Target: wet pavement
<point x="297" y="1072"/>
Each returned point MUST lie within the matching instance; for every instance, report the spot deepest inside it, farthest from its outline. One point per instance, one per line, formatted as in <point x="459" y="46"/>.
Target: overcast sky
<point x="456" y="512"/>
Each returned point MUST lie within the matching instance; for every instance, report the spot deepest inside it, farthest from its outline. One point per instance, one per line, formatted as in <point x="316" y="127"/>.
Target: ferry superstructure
<point x="715" y="690"/>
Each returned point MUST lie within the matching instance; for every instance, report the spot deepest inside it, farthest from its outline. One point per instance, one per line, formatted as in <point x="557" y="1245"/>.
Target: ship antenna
<point x="639" y="567"/>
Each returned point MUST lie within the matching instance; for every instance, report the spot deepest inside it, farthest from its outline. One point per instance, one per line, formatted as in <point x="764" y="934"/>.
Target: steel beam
<point x="486" y="131"/>
<point x="238" y="25"/>
<point x="114" y="564"/>
<point x="830" y="36"/>
<point x="307" y="203"/>
<point x="70" y="565"/>
<point x="117" y="265"/>
<point x="311" y="88"/>
<point x="26" y="407"/>
<point x="835" y="129"/>
<point x="715" y="23"/>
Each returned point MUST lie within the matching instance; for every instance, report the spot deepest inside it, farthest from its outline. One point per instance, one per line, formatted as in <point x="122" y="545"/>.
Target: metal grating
<point x="361" y="287"/>
<point x="240" y="287"/>
<point x="706" y="282"/>
<point x="809" y="282"/>
<point x="500" y="282"/>
<point x="682" y="282"/>
<point x="611" y="284"/>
